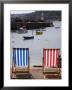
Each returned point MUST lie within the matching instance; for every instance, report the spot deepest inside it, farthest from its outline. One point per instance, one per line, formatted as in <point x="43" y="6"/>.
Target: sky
<point x="21" y="12"/>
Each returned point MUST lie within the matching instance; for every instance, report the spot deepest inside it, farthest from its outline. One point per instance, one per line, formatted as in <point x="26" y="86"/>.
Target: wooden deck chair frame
<point x="57" y="72"/>
<point x="17" y="70"/>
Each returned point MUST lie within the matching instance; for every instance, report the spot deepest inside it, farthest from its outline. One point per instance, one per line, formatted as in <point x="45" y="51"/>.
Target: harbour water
<point x="51" y="38"/>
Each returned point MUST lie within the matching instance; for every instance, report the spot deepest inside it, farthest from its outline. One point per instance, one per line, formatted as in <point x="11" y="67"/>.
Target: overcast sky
<point x="21" y="12"/>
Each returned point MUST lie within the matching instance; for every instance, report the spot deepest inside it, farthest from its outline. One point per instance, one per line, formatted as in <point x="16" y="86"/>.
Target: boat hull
<point x="39" y="33"/>
<point x="28" y="38"/>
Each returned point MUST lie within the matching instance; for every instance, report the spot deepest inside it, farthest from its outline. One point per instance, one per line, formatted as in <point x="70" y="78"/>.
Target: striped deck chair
<point x="51" y="62"/>
<point x="20" y="62"/>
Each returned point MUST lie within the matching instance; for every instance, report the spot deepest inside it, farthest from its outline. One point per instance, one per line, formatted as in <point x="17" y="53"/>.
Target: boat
<point x="57" y="27"/>
<point x="41" y="29"/>
<point x="22" y="30"/>
<point x="38" y="66"/>
<point x="39" y="33"/>
<point x="28" y="37"/>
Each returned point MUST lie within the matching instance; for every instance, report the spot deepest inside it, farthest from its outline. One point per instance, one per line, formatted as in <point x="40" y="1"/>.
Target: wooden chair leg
<point x="44" y="77"/>
<point x="59" y="76"/>
<point x="13" y="76"/>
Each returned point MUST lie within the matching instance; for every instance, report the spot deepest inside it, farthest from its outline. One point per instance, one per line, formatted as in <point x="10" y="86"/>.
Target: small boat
<point x="28" y="37"/>
<point x="40" y="30"/>
<point x="22" y="30"/>
<point x="57" y="27"/>
<point x="38" y="66"/>
<point x="43" y="30"/>
<point x="39" y="33"/>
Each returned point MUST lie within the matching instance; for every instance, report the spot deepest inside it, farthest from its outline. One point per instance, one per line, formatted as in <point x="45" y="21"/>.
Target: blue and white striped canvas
<point x="21" y="56"/>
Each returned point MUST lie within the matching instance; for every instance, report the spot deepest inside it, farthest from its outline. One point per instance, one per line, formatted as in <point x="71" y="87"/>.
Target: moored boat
<point x="22" y="30"/>
<point x="57" y="27"/>
<point x="39" y="33"/>
<point x="28" y="37"/>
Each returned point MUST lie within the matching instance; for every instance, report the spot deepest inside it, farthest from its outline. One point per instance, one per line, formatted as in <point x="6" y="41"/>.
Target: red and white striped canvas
<point x="50" y="57"/>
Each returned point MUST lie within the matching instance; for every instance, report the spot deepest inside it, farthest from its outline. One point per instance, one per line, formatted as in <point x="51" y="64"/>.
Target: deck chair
<point x="20" y="62"/>
<point x="51" y="65"/>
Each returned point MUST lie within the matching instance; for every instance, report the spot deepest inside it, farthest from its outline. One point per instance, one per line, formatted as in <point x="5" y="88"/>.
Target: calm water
<point x="51" y="38"/>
